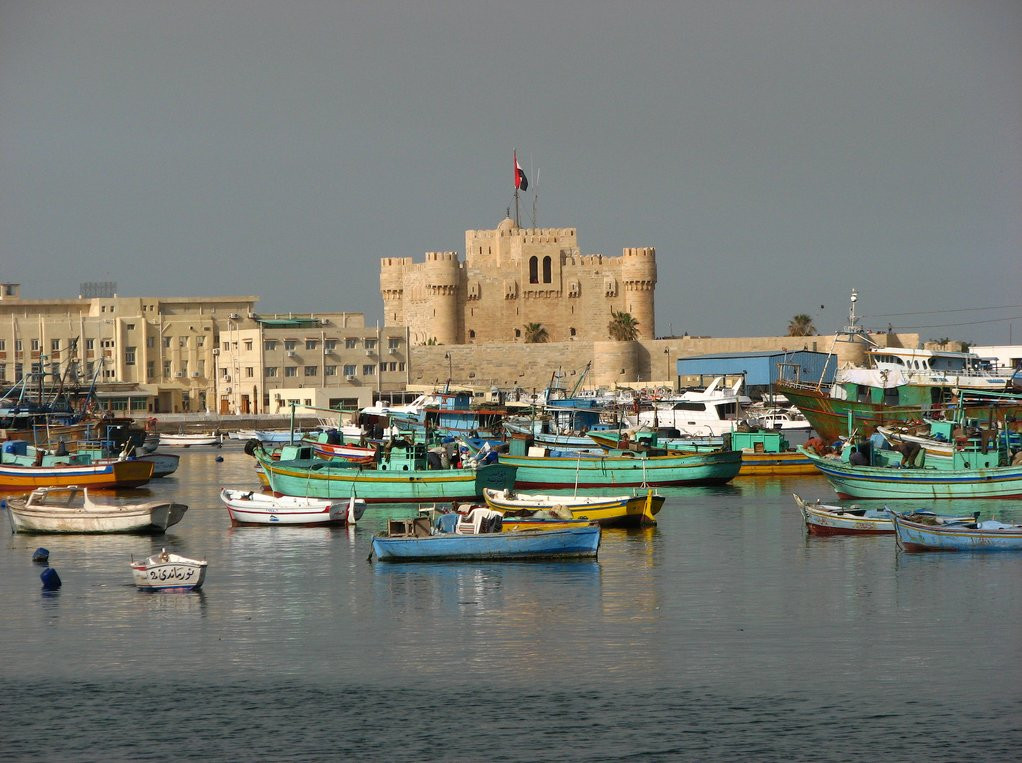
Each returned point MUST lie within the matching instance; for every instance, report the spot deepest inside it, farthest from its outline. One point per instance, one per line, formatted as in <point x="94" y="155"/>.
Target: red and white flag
<point x="521" y="182"/>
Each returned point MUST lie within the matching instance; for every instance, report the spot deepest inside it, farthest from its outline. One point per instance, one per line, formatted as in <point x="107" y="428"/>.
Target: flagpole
<point x="518" y="221"/>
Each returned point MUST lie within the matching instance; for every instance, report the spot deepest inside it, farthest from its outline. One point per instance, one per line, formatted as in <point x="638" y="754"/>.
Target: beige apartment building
<point x="197" y="354"/>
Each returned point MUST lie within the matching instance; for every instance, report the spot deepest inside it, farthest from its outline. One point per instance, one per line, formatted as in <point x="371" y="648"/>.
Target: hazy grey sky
<point x="776" y="152"/>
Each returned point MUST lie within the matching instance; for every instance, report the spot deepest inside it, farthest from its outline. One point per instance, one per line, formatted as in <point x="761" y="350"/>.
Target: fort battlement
<point x="512" y="277"/>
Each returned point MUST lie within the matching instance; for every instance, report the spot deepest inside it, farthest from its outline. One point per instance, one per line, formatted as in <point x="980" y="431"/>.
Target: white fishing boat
<point x="250" y="508"/>
<point x="168" y="572"/>
<point x="72" y="510"/>
<point x="185" y="440"/>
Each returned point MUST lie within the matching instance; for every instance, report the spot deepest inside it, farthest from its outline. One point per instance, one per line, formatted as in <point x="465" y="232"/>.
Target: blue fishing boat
<point x="918" y="534"/>
<point x="417" y="541"/>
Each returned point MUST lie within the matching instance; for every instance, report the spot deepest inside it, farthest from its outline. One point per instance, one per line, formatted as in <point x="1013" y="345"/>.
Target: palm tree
<point x="622" y="327"/>
<point x="801" y="325"/>
<point x="535" y="333"/>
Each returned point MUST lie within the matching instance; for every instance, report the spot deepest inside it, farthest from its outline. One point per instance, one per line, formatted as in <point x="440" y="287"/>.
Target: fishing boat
<point x="24" y="466"/>
<point x="479" y="536"/>
<point x="968" y="474"/>
<point x="164" y="464"/>
<point x="617" y="469"/>
<point x="607" y="510"/>
<point x="920" y="534"/>
<point x="763" y="451"/>
<point x="822" y="519"/>
<point x="247" y="508"/>
<point x="900" y="384"/>
<point x="331" y="446"/>
<point x="404" y="473"/>
<point x="168" y="572"/>
<point x="186" y="440"/>
<point x="72" y="510"/>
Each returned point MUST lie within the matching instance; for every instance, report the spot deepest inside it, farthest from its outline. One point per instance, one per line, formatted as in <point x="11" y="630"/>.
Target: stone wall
<point x="529" y="366"/>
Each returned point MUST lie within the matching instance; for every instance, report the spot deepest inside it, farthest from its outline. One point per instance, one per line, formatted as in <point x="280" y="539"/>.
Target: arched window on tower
<point x="546" y="269"/>
<point x="534" y="270"/>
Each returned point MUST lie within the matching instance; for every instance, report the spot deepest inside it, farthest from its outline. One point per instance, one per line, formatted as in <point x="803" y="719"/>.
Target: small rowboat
<point x="607" y="510"/>
<point x="183" y="440"/>
<point x="822" y="519"/>
<point x="72" y="510"/>
<point x="479" y="536"/>
<point x="168" y="572"/>
<point x="248" y="509"/>
<point x="921" y="534"/>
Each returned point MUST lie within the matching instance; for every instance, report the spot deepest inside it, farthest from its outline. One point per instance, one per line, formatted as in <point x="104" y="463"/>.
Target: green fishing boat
<point x="398" y="475"/>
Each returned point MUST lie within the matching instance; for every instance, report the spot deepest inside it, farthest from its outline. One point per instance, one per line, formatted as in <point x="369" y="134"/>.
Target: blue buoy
<point x="219" y="459"/>
<point x="50" y="578"/>
<point x="41" y="555"/>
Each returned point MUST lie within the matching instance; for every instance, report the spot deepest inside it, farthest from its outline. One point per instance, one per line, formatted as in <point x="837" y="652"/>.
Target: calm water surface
<point x="724" y="632"/>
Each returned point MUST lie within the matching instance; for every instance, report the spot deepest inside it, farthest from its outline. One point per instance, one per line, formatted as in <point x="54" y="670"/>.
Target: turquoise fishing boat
<point x="621" y="470"/>
<point x="968" y="474"/>
<point x="400" y="475"/>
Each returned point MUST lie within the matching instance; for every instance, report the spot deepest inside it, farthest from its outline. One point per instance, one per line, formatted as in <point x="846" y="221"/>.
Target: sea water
<point x="725" y="632"/>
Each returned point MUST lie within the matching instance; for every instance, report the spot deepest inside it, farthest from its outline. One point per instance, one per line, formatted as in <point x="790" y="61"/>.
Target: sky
<point x="777" y="153"/>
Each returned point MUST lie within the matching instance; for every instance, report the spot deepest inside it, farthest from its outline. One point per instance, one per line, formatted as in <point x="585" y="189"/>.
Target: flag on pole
<point x="521" y="182"/>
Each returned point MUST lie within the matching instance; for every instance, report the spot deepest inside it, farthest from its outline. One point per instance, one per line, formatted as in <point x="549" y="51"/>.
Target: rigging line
<point x="965" y="323"/>
<point x="936" y="312"/>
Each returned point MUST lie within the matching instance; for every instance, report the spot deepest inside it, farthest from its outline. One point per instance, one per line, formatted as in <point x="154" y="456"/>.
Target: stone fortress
<point x="512" y="277"/>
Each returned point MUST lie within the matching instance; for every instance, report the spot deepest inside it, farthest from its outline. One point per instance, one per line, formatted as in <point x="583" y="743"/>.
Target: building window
<point x="129" y="326"/>
<point x="248" y="345"/>
<point x="401" y="366"/>
<point x="311" y="370"/>
<point x="518" y="333"/>
<point x="471" y="333"/>
<point x="290" y="371"/>
<point x="269" y="345"/>
<point x="534" y="270"/>
<point x="249" y="372"/>
<point x="271" y="372"/>
<point x="150" y="342"/>
<point x="368" y="370"/>
<point x="35" y="345"/>
<point x="182" y="341"/>
<point x="200" y="341"/>
<point x="3" y="370"/>
<point x="350" y="343"/>
<point x="55" y="345"/>
<point x="17" y="345"/>
<point x="3" y="345"/>
<point x="311" y="344"/>
<point x="329" y="370"/>
<point x="166" y="369"/>
<point x="329" y="345"/>
<point x="370" y="344"/>
<point x="393" y="343"/>
<point x="571" y="331"/>
<point x="290" y="344"/>
<point x="546" y="269"/>
<point x="166" y="342"/>
<point x="350" y="369"/>
<point x="129" y="356"/>
<point x="150" y="369"/>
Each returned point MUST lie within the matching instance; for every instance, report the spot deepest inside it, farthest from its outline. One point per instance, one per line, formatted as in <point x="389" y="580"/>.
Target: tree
<point x="622" y="327"/>
<point x="801" y="325"/>
<point x="535" y="333"/>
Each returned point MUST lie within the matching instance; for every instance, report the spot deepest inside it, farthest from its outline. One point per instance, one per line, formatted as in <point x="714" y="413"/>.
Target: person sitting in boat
<point x="61" y="449"/>
<point x="857" y="458"/>
<point x="816" y="445"/>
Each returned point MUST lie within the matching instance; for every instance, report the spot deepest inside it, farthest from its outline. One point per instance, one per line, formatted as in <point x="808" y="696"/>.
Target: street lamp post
<point x="216" y="381"/>
<point x="667" y="356"/>
<point x="450" y="367"/>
